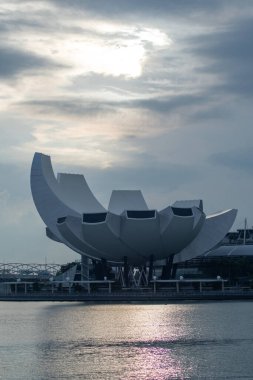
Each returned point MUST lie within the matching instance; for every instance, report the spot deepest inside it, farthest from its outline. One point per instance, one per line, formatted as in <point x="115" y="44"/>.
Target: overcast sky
<point x="151" y="94"/>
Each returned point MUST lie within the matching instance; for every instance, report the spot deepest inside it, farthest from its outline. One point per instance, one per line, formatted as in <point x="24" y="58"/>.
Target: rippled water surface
<point x="208" y="340"/>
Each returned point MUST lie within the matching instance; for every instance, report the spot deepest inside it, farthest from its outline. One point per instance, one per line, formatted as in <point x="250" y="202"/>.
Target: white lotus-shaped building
<point x="128" y="228"/>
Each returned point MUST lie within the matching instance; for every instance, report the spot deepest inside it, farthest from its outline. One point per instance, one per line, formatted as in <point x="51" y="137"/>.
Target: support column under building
<point x="100" y="269"/>
<point x="104" y="267"/>
<point x="85" y="275"/>
<point x="126" y="272"/>
<point x="167" y="269"/>
<point x="174" y="270"/>
<point x="170" y="265"/>
<point x="151" y="267"/>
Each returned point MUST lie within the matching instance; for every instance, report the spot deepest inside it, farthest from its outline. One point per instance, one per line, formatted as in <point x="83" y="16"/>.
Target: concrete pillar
<point x="126" y="272"/>
<point x="174" y="270"/>
<point x="151" y="266"/>
<point x="167" y="269"/>
<point x="84" y="268"/>
<point x="104" y="267"/>
<point x="170" y="265"/>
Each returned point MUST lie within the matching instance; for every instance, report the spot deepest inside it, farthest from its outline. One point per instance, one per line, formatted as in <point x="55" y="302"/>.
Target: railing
<point x="127" y="295"/>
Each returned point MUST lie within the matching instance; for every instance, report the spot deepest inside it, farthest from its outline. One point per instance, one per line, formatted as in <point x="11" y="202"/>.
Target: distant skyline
<point x="150" y="95"/>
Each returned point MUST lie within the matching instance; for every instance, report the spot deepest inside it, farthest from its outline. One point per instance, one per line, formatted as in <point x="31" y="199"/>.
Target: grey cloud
<point x="167" y="175"/>
<point x="11" y="126"/>
<point x="20" y="23"/>
<point x="154" y="79"/>
<point x="133" y="8"/>
<point x="232" y="43"/>
<point x="230" y="55"/>
<point x="68" y="106"/>
<point x="167" y="104"/>
<point x="82" y="107"/>
<point x="210" y="112"/>
<point x="237" y="159"/>
<point x="16" y="180"/>
<point x="46" y="23"/>
<point x="100" y="82"/>
<point x="13" y="61"/>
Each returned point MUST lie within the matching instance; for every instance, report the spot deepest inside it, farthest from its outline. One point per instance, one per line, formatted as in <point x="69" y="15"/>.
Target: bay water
<point x="187" y="340"/>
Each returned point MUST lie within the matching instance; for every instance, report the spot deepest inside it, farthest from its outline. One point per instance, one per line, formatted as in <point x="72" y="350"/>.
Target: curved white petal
<point x="140" y="230"/>
<point x="75" y="192"/>
<point x="71" y="230"/>
<point x="103" y="231"/>
<point x="122" y="200"/>
<point x="189" y="203"/>
<point x="51" y="236"/>
<point x="177" y="231"/>
<point x="214" y="229"/>
<point x="46" y="195"/>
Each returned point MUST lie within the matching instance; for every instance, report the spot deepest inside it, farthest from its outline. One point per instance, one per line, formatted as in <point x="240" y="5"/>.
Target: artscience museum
<point x="127" y="230"/>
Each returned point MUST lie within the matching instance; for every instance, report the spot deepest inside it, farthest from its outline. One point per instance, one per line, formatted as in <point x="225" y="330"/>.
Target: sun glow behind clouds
<point x="103" y="49"/>
<point x="123" y="55"/>
<point x="76" y="50"/>
<point x="100" y="47"/>
<point x="110" y="59"/>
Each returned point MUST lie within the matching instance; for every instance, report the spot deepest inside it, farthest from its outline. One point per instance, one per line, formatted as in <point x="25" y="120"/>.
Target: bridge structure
<point x="28" y="271"/>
